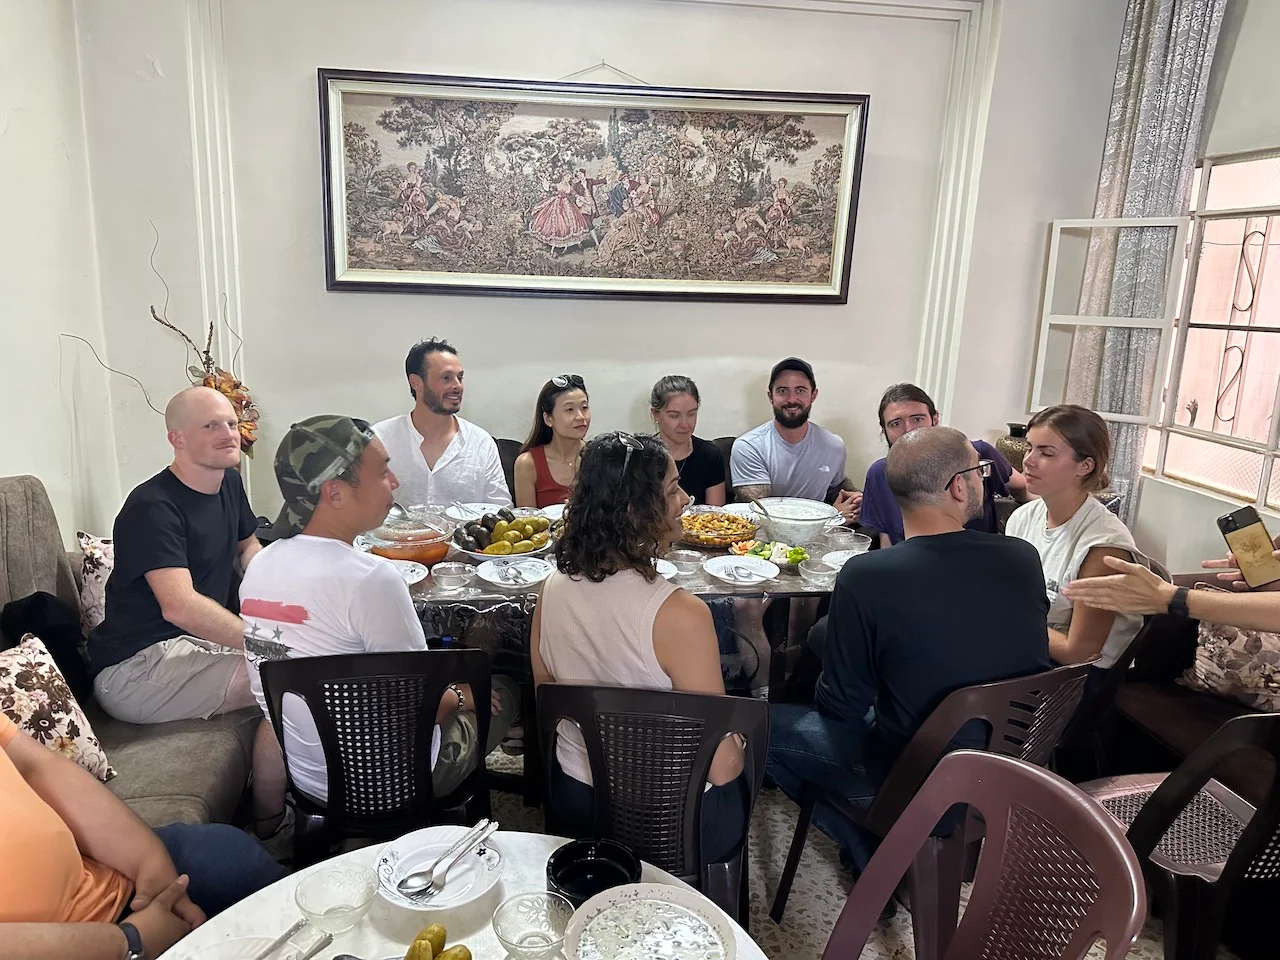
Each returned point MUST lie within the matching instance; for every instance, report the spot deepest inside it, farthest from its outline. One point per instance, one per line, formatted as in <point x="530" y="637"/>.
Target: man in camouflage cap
<point x="311" y="594"/>
<point x="313" y="452"/>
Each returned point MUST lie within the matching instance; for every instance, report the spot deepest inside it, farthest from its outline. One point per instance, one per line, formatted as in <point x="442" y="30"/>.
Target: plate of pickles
<point x="504" y="533"/>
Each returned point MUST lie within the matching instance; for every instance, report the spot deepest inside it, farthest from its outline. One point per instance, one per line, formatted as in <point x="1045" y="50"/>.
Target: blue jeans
<point x="225" y="864"/>
<point x="805" y="745"/>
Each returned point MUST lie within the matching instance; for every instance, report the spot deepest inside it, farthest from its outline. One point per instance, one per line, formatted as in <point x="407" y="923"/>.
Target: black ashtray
<point x="582" y="868"/>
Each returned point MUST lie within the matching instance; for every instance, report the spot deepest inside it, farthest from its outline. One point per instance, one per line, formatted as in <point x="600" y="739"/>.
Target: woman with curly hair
<point x="606" y="617"/>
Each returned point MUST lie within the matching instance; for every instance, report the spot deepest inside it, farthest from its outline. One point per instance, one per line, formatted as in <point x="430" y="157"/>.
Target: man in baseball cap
<point x="312" y="453"/>
<point x="312" y="594"/>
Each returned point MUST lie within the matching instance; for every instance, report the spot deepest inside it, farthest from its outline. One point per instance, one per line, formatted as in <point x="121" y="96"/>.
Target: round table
<point x="387" y="930"/>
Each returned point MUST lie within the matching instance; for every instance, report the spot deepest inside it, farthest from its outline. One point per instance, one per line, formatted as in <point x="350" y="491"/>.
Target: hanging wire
<point x="608" y="66"/>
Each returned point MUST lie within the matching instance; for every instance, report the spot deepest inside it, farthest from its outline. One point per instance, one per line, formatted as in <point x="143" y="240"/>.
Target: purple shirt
<point x="880" y="510"/>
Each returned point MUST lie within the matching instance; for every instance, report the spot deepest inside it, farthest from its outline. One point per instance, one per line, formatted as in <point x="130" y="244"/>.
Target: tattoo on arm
<point x="753" y="492"/>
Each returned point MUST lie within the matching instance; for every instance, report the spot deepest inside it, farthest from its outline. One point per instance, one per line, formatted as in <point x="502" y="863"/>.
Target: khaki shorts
<point x="185" y="678"/>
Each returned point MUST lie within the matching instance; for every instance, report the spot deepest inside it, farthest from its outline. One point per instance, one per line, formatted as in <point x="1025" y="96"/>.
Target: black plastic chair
<point x="1199" y="841"/>
<point x="375" y="714"/>
<point x="508" y="450"/>
<point x="1082" y="754"/>
<point x="1025" y="717"/>
<point x="725" y="446"/>
<point x="1055" y="874"/>
<point x="654" y="749"/>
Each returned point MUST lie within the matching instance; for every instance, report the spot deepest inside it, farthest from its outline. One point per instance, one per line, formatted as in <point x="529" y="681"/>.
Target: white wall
<point x="1049" y="104"/>
<point x="1245" y="112"/>
<point x="1177" y="523"/>
<point x="58" y="423"/>
<point x="309" y="350"/>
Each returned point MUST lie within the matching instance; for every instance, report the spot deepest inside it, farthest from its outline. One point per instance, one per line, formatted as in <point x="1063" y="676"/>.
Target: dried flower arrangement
<point x="209" y="374"/>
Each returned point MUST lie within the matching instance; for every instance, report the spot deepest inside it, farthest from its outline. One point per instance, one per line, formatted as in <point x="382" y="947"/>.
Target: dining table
<point x="387" y="930"/>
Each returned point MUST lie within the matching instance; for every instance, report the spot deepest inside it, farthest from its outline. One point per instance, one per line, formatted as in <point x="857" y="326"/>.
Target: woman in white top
<point x="606" y="617"/>
<point x="1073" y="532"/>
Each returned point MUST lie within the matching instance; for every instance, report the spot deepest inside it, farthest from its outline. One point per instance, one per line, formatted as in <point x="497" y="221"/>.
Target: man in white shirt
<point x="790" y="456"/>
<point x="440" y="457"/>
<point x="315" y="594"/>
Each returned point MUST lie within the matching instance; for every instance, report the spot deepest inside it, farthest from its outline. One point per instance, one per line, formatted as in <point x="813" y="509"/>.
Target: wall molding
<point x="213" y="183"/>
<point x="973" y="69"/>
<point x="968" y="104"/>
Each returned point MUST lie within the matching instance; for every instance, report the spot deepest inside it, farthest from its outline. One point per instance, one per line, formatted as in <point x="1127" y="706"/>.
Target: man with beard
<point x="903" y="408"/>
<point x="891" y="659"/>
<point x="439" y="457"/>
<point x="791" y="457"/>
<point x="169" y="648"/>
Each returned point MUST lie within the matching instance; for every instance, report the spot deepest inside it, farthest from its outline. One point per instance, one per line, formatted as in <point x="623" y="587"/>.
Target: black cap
<point x="792" y="363"/>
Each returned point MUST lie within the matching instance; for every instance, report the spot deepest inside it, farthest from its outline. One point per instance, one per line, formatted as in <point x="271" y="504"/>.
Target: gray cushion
<point x="194" y="771"/>
<point x="31" y="553"/>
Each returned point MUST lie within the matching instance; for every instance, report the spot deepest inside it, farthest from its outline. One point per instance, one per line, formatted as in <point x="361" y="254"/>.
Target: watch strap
<point x="134" y="939"/>
<point x="1178" y="605"/>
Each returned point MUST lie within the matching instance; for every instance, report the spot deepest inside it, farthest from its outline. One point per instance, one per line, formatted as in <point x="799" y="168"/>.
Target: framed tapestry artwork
<point x="460" y="185"/>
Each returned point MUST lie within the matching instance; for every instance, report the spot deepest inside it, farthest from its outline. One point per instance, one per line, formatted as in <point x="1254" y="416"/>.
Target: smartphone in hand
<point x="1252" y="546"/>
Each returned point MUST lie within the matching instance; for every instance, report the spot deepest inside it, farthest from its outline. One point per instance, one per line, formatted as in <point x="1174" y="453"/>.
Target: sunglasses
<point x="983" y="467"/>
<point x="632" y="444"/>
<point x="569" y="380"/>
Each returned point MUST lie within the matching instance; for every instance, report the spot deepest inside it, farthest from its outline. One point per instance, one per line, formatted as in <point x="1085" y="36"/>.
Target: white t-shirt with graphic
<point x="1062" y="552"/>
<point x="314" y="597"/>
<point x="808" y="469"/>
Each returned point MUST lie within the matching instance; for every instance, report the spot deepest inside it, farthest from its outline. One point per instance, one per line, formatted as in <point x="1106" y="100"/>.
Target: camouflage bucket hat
<point x="314" y="451"/>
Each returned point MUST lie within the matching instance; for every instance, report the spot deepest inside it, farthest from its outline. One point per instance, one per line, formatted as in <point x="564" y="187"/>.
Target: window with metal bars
<point x="1220" y="419"/>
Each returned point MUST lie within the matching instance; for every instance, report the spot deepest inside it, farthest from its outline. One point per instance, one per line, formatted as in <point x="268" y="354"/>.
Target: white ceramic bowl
<point x="730" y="570"/>
<point x="469" y="880"/>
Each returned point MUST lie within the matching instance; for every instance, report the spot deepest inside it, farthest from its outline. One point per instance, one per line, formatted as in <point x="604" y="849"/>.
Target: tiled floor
<point x="818" y="894"/>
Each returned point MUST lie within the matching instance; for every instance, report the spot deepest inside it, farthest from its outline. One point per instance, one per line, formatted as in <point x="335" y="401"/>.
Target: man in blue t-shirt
<point x="903" y="408"/>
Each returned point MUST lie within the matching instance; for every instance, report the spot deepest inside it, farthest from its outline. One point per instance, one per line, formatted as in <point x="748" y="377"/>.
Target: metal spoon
<point x="415" y="883"/>
<point x="760" y="506"/>
<point x="398" y="512"/>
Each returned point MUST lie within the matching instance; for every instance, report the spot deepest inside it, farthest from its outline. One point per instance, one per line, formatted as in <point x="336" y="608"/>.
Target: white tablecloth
<point x="386" y="931"/>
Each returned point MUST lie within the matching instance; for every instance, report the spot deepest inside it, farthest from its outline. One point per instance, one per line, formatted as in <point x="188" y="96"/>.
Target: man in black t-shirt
<point x="169" y="648"/>
<point x="909" y="626"/>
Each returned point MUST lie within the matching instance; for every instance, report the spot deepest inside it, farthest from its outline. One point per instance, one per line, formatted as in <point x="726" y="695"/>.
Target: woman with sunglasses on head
<point x="548" y="461"/>
<point x="673" y="404"/>
<point x="1074" y="533"/>
<point x="604" y="616"/>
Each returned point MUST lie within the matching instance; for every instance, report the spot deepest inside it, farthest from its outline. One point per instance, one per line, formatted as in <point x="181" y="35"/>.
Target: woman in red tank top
<point x="548" y="461"/>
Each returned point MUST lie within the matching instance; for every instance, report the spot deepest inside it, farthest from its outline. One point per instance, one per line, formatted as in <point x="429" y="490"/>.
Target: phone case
<point x="1253" y="549"/>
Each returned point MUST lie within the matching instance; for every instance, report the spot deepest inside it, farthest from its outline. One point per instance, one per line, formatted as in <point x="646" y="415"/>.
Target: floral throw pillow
<point x="1237" y="664"/>
<point x="99" y="559"/>
<point x="35" y="696"/>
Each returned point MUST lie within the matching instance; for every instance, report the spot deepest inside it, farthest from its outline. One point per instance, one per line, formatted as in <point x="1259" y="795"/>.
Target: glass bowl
<point x="424" y="538"/>
<point x="817" y="572"/>
<point x="686" y="561"/>
<point x="453" y="576"/>
<point x="842" y="538"/>
<point x="335" y="899"/>
<point x="531" y="926"/>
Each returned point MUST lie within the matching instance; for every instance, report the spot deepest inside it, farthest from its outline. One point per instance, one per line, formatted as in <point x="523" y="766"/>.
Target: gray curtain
<point x="1153" y="133"/>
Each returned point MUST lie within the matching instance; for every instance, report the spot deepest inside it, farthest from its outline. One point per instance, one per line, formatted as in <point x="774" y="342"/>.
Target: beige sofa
<point x="194" y="771"/>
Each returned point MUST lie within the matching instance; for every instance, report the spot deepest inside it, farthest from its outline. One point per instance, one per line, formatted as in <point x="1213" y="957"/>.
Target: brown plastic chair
<point x="1197" y="839"/>
<point x="1025" y="716"/>
<point x="375" y="713"/>
<point x="654" y="750"/>
<point x="1055" y="873"/>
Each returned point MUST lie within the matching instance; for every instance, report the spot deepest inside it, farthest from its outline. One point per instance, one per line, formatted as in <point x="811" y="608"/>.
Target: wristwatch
<point x="1178" y="605"/>
<point x="457" y="692"/>
<point x="134" y="939"/>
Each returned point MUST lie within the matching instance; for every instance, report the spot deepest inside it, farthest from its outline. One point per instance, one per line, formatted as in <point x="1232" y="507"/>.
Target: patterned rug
<point x="819" y="891"/>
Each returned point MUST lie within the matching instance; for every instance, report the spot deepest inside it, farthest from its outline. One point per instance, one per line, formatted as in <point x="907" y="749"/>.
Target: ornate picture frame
<point x="461" y="185"/>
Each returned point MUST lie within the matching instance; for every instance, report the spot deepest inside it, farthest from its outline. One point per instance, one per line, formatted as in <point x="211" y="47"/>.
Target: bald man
<point x="946" y="608"/>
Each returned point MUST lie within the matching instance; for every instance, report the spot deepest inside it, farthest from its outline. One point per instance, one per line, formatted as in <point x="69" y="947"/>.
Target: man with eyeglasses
<point x="907" y="627"/>
<point x="790" y="456"/>
<point x="903" y="408"/>
<point x="440" y="457"/>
